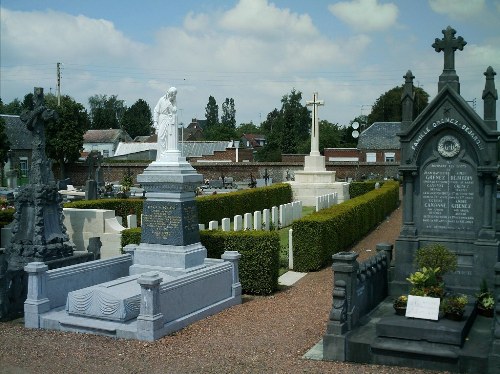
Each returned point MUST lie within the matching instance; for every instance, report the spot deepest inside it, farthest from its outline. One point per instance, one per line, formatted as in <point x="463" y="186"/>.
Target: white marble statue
<point x="165" y="123"/>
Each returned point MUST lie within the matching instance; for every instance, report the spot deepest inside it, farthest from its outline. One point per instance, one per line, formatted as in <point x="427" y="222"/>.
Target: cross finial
<point x="315" y="103"/>
<point x="449" y="44"/>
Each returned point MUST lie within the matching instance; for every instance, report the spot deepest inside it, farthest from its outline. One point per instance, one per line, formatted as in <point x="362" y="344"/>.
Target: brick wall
<point x="240" y="171"/>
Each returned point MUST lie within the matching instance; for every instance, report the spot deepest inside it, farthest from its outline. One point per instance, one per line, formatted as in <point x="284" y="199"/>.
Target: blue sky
<point x="254" y="51"/>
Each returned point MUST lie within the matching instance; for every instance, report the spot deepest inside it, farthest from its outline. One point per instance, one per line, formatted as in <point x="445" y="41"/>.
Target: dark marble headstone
<point x="449" y="168"/>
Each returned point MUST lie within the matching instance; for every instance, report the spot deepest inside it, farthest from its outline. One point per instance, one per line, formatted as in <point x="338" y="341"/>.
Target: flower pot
<point x="454" y="316"/>
<point x="484" y="312"/>
<point x="400" y="311"/>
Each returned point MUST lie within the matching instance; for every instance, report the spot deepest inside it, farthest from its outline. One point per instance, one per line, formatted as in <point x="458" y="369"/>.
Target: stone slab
<point x="290" y="278"/>
<point x="443" y="331"/>
<point x="364" y="346"/>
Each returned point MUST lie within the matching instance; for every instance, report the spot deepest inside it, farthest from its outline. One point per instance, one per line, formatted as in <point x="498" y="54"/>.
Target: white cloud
<point x="365" y="15"/>
<point x="58" y="36"/>
<point x="259" y="17"/>
<point x="458" y="9"/>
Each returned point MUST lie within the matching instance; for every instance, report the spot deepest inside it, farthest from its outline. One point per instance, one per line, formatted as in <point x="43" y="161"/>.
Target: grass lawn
<point x="284" y="241"/>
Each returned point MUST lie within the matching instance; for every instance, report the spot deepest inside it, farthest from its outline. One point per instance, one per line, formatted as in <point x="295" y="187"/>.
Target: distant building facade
<point x="104" y="141"/>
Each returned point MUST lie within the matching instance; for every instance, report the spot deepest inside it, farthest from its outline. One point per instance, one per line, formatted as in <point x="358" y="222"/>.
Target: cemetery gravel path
<point x="262" y="335"/>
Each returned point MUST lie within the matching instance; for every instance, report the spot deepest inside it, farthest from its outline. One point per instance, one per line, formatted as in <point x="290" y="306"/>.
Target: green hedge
<point x="227" y="205"/>
<point x="259" y="263"/>
<point x="6" y="216"/>
<point x="122" y="207"/>
<point x="360" y="188"/>
<point x="318" y="236"/>
<point x="210" y="207"/>
<point x="131" y="236"/>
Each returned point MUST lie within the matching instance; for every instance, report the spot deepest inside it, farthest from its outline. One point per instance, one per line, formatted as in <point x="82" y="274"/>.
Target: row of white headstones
<point x="276" y="217"/>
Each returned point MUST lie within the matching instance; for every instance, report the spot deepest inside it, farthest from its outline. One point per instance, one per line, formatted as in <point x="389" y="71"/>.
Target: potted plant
<point x="454" y="306"/>
<point x="485" y="302"/>
<point x="425" y="283"/>
<point x="400" y="305"/>
<point x="436" y="256"/>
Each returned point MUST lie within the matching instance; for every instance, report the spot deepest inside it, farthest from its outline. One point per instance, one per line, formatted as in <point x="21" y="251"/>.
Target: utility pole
<point x="58" y="84"/>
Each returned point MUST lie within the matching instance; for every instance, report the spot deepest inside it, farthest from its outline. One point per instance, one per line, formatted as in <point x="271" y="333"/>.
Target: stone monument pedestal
<point x="161" y="285"/>
<point x="316" y="181"/>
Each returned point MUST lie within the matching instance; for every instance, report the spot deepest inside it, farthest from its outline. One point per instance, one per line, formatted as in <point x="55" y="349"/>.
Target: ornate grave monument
<point x="449" y="163"/>
<point x="38" y="231"/>
<point x="315" y="180"/>
<point x="161" y="285"/>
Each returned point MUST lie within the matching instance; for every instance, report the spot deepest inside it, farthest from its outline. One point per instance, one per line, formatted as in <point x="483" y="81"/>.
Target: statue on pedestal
<point x="165" y="123"/>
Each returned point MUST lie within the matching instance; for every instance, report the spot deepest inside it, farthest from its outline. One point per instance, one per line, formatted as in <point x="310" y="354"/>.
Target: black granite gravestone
<point x="449" y="162"/>
<point x="449" y="168"/>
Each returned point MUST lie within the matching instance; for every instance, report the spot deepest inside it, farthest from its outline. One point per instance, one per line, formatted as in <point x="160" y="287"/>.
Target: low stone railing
<point x="357" y="289"/>
<point x="48" y="289"/>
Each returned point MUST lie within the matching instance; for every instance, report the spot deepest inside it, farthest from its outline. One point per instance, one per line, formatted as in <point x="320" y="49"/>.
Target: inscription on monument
<point x="448" y="196"/>
<point x="170" y="223"/>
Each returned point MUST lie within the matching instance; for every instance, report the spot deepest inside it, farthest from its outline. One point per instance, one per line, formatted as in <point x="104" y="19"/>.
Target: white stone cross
<point x="315" y="103"/>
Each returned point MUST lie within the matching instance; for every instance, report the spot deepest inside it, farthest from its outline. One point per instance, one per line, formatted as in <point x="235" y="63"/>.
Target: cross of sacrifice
<point x="449" y="44"/>
<point x="315" y="103"/>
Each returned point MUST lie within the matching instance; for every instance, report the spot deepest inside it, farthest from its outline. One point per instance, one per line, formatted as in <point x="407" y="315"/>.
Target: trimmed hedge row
<point x="227" y="205"/>
<point x="210" y="207"/>
<point x="318" y="236"/>
<point x="360" y="188"/>
<point x="259" y="263"/>
<point x="131" y="236"/>
<point x="122" y="207"/>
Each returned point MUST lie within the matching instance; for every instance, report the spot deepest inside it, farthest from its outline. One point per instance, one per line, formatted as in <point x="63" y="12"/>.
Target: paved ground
<point x="263" y="335"/>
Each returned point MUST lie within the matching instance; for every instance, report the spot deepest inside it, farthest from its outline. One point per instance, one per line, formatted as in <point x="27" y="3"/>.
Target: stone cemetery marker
<point x="449" y="169"/>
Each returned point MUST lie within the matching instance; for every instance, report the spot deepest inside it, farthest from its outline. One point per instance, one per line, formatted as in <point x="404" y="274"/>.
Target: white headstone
<point x="247" y="221"/>
<point x="282" y="215"/>
<point x="238" y="223"/>
<point x="257" y="220"/>
<point x="226" y="224"/>
<point x="266" y="219"/>
<point x="213" y="225"/>
<point x="274" y="216"/>
<point x="131" y="221"/>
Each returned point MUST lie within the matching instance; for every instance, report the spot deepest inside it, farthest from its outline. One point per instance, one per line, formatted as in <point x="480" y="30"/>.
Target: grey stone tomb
<point x="159" y="286"/>
<point x="449" y="163"/>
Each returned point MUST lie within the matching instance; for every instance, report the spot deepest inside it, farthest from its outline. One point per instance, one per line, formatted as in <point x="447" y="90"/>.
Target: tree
<point x="329" y="135"/>
<point x="28" y="102"/>
<point x="247" y="128"/>
<point x="296" y="122"/>
<point x="212" y="112"/>
<point x="65" y="136"/>
<point x="138" y="120"/>
<point x="228" y="117"/>
<point x="15" y="107"/>
<point x="215" y="130"/>
<point x="388" y="108"/>
<point x="4" y="142"/>
<point x="106" y="112"/>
